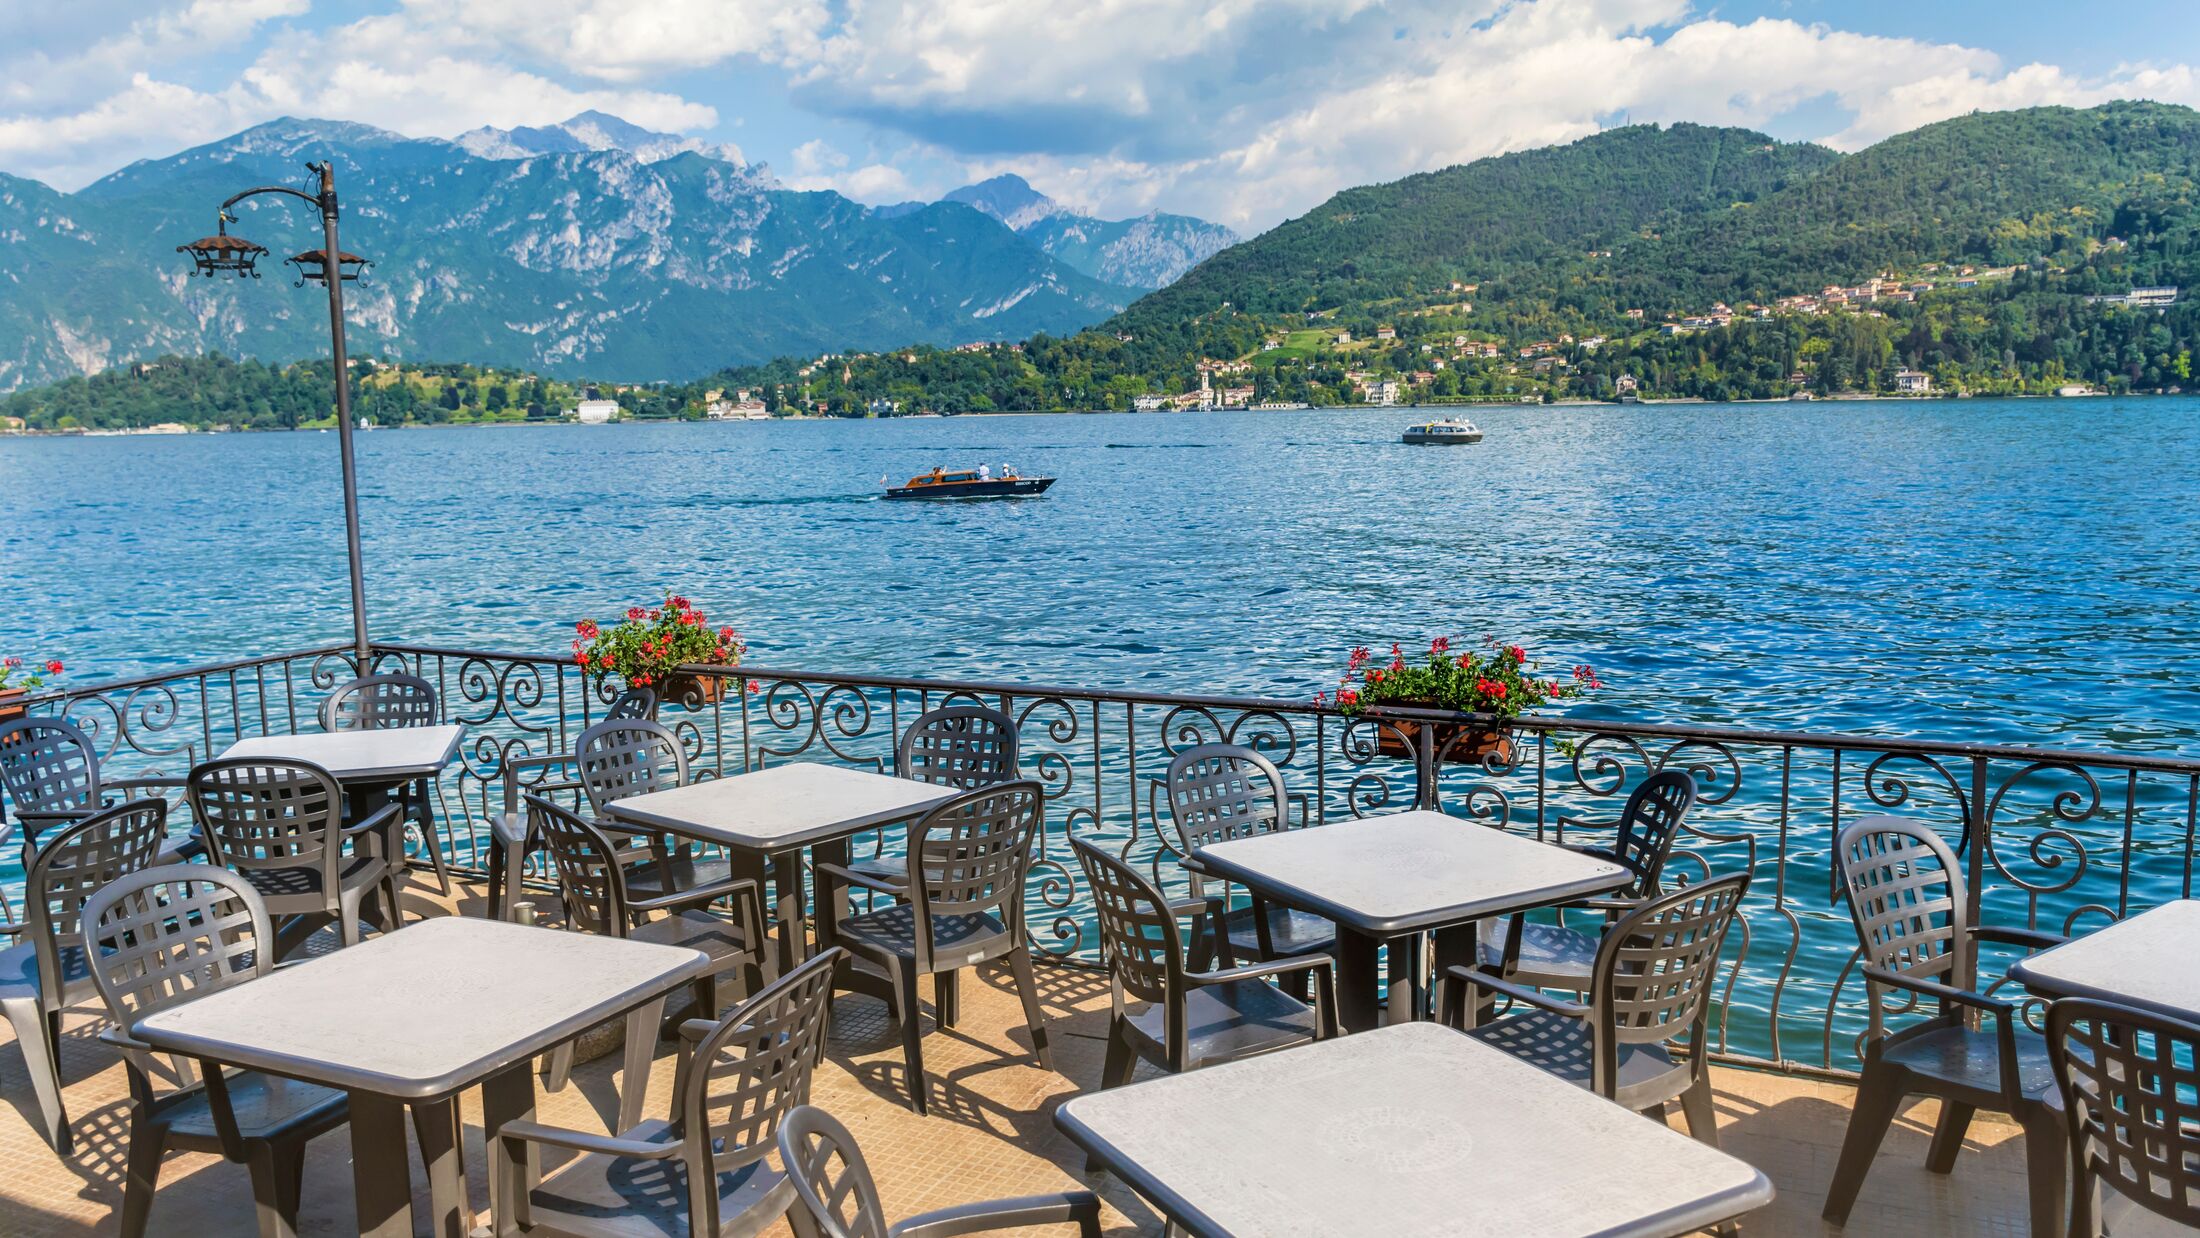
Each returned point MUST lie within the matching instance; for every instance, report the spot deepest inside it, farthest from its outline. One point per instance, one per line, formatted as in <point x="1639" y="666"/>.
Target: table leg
<point x="509" y="1096"/>
<point x="794" y="945"/>
<point x="1454" y="946"/>
<point x="833" y="908"/>
<point x="1356" y="961"/>
<point x="380" y="1176"/>
<point x="749" y="866"/>
<point x="435" y="1124"/>
<point x="641" y="1041"/>
<point x="1403" y="1004"/>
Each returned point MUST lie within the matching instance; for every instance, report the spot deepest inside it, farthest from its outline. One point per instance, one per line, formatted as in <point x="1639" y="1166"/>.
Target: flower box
<point x="649" y="647"/>
<point x="1460" y="743"/>
<point x="693" y="691"/>
<point x="1496" y="681"/>
<point x="11" y="703"/>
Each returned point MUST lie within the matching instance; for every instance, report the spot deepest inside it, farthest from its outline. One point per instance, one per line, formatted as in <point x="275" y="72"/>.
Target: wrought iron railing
<point x="2053" y="839"/>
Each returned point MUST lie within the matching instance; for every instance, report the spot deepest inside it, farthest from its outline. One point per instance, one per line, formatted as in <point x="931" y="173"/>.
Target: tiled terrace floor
<point x="990" y="1133"/>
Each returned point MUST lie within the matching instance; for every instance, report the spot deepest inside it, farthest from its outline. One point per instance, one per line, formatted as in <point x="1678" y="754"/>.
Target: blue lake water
<point x="2014" y="571"/>
<point x="2018" y="570"/>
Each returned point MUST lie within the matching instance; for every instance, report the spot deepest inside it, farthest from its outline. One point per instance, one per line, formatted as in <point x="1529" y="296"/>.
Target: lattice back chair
<point x="385" y="701"/>
<point x="1655" y="973"/>
<point x="46" y="970"/>
<point x="168" y="935"/>
<point x="592" y="885"/>
<point x="633" y="703"/>
<point x="622" y="757"/>
<point x="1558" y="956"/>
<point x="279" y="823"/>
<point x="702" y="1171"/>
<point x="379" y="702"/>
<point x="967" y="861"/>
<point x="1906" y="896"/>
<point x="2130" y="1086"/>
<point x="1217" y="792"/>
<point x="1190" y="1018"/>
<point x="51" y="772"/>
<point x="834" y="1187"/>
<point x="959" y="746"/>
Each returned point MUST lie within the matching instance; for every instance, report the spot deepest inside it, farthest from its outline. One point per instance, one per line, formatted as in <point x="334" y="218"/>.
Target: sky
<point x="1242" y="111"/>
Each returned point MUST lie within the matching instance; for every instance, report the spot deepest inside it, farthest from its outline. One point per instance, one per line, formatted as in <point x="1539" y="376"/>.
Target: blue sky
<point x="1246" y="111"/>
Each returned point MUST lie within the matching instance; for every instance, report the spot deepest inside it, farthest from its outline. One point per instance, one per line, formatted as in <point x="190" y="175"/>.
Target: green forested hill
<point x="1483" y="219"/>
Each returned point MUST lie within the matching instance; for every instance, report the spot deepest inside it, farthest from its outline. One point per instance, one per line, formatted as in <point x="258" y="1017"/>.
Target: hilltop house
<point x="1386" y="333"/>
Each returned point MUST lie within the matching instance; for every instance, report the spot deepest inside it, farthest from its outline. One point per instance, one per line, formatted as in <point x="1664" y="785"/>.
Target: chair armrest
<point x="378" y="819"/>
<point x="510" y="828"/>
<point x="2032" y="938"/>
<point x="850" y="877"/>
<point x="584" y="1141"/>
<point x="114" y="1035"/>
<point x="34" y="820"/>
<point x="1475" y="978"/>
<point x="1945" y="992"/>
<point x="697" y="896"/>
<point x="693" y="1030"/>
<point x="1081" y="1207"/>
<point x="1257" y="971"/>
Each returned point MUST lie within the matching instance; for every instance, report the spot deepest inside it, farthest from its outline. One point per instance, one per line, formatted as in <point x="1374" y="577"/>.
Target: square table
<point x="2147" y="961"/>
<point x="1410" y="1130"/>
<point x="770" y="815"/>
<point x="384" y="754"/>
<point x="414" y="1017"/>
<point x="1401" y="874"/>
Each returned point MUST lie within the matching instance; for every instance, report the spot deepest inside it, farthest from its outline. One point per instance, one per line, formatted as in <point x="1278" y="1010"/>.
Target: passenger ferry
<point x="1454" y="432"/>
<point x="967" y="484"/>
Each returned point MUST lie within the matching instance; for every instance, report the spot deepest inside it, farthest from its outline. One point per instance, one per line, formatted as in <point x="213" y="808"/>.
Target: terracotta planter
<point x="1458" y="744"/>
<point x="693" y="691"/>
<point x="11" y="703"/>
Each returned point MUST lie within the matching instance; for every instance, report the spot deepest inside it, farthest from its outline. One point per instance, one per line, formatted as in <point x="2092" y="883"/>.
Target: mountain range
<point x="1150" y="251"/>
<point x="592" y="247"/>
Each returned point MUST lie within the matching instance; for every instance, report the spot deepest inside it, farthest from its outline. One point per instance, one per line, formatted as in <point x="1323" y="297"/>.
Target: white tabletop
<point x="384" y="752"/>
<point x="426" y="1010"/>
<point x="1406" y="1130"/>
<point x="2149" y="961"/>
<point x="782" y="807"/>
<point x="1408" y="871"/>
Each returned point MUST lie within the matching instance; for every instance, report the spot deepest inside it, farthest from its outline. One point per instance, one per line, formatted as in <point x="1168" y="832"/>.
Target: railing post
<point x="1975" y="829"/>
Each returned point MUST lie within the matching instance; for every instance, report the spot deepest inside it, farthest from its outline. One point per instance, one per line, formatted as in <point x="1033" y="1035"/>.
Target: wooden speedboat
<point x="967" y="484"/>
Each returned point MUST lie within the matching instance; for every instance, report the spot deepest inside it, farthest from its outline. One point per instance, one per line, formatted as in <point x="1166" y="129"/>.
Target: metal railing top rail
<point x="1655" y="730"/>
<point x="153" y="678"/>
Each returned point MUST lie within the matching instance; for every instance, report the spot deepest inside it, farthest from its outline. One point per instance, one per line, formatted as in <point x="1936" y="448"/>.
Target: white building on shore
<point x="594" y="412"/>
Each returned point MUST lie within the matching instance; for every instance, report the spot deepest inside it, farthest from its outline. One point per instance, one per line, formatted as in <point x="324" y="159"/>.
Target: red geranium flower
<point x="53" y="668"/>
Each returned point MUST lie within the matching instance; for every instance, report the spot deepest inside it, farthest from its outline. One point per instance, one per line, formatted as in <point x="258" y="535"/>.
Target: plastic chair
<point x="1191" y="1018"/>
<point x="623" y="757"/>
<point x="2130" y="1085"/>
<point x="967" y="862"/>
<point x="833" y="1185"/>
<point x="508" y="830"/>
<point x="51" y="773"/>
<point x="1649" y="985"/>
<point x="168" y="935"/>
<point x="46" y="972"/>
<point x="702" y="1170"/>
<point x="1554" y="956"/>
<point x="383" y="702"/>
<point x="280" y="824"/>
<point x="1217" y="792"/>
<point x="959" y="746"/>
<point x="1912" y="916"/>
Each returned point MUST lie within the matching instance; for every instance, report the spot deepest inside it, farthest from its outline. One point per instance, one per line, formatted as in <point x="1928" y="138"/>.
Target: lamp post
<point x="223" y="254"/>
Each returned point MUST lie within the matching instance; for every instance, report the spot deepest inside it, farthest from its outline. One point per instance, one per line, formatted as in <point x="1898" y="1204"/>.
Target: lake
<point x="2020" y="571"/>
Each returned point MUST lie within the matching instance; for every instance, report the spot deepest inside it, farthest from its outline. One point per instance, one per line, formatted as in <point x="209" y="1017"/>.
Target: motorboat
<point x="1453" y="432"/>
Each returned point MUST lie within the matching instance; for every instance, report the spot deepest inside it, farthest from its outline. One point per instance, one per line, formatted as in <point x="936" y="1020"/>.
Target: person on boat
<point x="938" y="474"/>
<point x="1008" y="472"/>
<point x="985" y="472"/>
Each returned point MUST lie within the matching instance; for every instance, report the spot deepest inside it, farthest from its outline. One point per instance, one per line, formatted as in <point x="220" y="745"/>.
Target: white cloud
<point x="1241" y="110"/>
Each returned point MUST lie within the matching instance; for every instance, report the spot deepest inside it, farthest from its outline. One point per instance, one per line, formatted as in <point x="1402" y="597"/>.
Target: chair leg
<point x="277" y="1170"/>
<point x="1703" y="1117"/>
<point x="2046" y="1161"/>
<point x="912" y="1035"/>
<point x="1955" y="1120"/>
<point x="1878" y="1098"/>
<point x="946" y="998"/>
<point x="431" y="836"/>
<point x="1027" y="988"/>
<point x="1122" y="1059"/>
<point x="37" y="1034"/>
<point x="148" y="1144"/>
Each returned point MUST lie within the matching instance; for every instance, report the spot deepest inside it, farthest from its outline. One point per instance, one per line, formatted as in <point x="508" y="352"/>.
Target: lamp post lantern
<point x="223" y="254"/>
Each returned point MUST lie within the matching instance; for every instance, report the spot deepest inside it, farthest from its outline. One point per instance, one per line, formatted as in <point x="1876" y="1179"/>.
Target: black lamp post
<point x="223" y="254"/>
